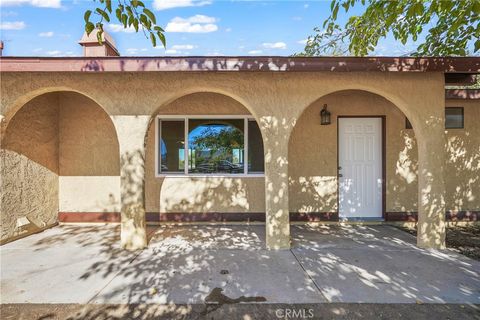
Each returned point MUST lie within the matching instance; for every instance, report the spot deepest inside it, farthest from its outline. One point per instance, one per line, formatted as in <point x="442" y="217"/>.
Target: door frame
<point x="383" y="135"/>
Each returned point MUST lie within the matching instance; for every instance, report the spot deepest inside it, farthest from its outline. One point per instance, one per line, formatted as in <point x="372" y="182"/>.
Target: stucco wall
<point x="29" y="167"/>
<point x="200" y="194"/>
<point x="313" y="156"/>
<point x="462" y="175"/>
<point x="89" y="162"/>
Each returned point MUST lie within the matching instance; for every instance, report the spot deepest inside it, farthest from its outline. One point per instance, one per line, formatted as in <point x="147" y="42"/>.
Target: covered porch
<point x="284" y="106"/>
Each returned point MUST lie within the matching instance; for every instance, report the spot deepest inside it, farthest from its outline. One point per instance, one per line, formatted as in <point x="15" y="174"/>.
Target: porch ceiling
<point x="468" y="65"/>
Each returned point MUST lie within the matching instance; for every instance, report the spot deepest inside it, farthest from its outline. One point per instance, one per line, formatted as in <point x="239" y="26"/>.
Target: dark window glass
<point x="172" y="146"/>
<point x="454" y="118"/>
<point x="216" y="146"/>
<point x="255" y="148"/>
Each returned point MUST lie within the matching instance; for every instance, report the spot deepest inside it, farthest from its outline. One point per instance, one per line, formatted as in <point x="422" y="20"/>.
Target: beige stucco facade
<point x="101" y="157"/>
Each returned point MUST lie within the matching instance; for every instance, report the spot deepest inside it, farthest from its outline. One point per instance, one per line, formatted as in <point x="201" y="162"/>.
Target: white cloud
<point x="115" y="27"/>
<point x="275" y="45"/>
<point x="136" y="50"/>
<point x="255" y="52"/>
<point x="169" y="4"/>
<point x="16" y="25"/>
<point x="37" y="50"/>
<point x="296" y="18"/>
<point x="183" y="47"/>
<point x="48" y="34"/>
<point x="228" y="29"/>
<point x="35" y="3"/>
<point x="171" y="51"/>
<point x="306" y="5"/>
<point x="55" y="53"/>
<point x="304" y="41"/>
<point x="196" y="24"/>
<point x="214" y="53"/>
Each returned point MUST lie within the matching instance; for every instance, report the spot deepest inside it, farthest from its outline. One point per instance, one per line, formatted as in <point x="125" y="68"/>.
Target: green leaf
<point x="86" y="16"/>
<point x="124" y="20"/>
<point x="135" y="24"/>
<point x="153" y="39"/>
<point x="99" y="36"/>
<point x="157" y="28"/>
<point x="103" y="14"/>
<point x="119" y="14"/>
<point x="161" y="36"/>
<point x="150" y="15"/>
<point x="108" y="5"/>
<point x="143" y="20"/>
<point x="476" y="46"/>
<point x="89" y="28"/>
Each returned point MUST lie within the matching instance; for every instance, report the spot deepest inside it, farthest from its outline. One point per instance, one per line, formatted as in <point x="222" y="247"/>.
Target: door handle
<point x="340" y="175"/>
<point x="339" y="168"/>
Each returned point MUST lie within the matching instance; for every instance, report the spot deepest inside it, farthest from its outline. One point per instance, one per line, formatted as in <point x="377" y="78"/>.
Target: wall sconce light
<point x="324" y="116"/>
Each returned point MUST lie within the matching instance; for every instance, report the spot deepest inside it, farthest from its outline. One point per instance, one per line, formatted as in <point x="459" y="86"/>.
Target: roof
<point x="245" y="64"/>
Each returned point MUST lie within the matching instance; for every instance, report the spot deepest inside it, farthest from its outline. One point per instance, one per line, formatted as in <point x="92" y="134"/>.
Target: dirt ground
<point x="242" y="311"/>
<point x="464" y="239"/>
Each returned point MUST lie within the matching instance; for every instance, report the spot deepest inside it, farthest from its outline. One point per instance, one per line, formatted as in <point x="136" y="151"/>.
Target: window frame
<point x="186" y="174"/>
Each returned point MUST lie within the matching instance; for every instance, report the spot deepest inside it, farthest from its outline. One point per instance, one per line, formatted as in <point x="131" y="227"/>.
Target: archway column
<point x="131" y="132"/>
<point x="431" y="184"/>
<point x="276" y="134"/>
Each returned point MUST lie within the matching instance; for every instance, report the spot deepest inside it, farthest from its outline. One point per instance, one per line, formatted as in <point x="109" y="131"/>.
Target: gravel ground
<point x="464" y="239"/>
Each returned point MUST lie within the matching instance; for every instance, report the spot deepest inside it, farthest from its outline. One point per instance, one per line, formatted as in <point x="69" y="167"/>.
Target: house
<point x="140" y="140"/>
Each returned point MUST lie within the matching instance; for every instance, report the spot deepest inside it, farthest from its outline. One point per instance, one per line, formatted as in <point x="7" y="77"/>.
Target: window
<point x="454" y="119"/>
<point x="202" y="145"/>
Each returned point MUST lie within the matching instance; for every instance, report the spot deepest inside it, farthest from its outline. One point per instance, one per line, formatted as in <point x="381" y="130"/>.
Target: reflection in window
<point x="216" y="146"/>
<point x="255" y="148"/>
<point x="172" y="146"/>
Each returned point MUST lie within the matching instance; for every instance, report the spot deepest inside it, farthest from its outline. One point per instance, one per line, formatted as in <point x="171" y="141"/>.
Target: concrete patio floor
<point x="229" y="264"/>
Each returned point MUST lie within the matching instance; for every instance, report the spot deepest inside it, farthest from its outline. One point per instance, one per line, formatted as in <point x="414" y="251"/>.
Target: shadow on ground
<point x="207" y="271"/>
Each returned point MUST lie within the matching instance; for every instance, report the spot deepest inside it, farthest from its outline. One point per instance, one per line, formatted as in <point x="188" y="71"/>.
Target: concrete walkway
<point x="229" y="264"/>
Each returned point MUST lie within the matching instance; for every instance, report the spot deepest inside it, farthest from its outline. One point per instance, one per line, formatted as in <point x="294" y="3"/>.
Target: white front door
<point x="360" y="167"/>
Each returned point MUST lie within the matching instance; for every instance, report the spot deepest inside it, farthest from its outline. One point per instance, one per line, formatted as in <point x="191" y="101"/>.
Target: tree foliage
<point x="452" y="27"/>
<point x="130" y="13"/>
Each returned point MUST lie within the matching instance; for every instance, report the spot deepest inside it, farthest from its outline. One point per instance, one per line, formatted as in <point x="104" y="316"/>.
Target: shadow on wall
<point x="463" y="167"/>
<point x="59" y="154"/>
<point x="315" y="193"/>
<point x="29" y="168"/>
<point x="405" y="180"/>
<point x="191" y="194"/>
<point x="204" y="195"/>
<point x="271" y="64"/>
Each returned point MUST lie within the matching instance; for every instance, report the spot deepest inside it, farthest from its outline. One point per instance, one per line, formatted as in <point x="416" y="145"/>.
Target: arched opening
<point x="60" y="161"/>
<point x="315" y="157"/>
<point x="222" y="178"/>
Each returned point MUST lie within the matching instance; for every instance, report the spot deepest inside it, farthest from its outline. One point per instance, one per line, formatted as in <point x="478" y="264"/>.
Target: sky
<point x="194" y="27"/>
